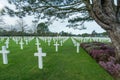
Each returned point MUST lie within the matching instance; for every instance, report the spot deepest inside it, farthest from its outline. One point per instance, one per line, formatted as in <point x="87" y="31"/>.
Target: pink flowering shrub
<point x="99" y="51"/>
<point x="105" y="55"/>
<point x="112" y="67"/>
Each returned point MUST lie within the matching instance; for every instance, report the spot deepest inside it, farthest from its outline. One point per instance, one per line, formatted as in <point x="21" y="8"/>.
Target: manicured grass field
<point x="64" y="65"/>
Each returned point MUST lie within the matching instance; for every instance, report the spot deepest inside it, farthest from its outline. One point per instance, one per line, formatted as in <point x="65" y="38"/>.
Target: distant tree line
<point x="94" y="34"/>
<point x="19" y="33"/>
<point x="20" y="29"/>
<point x="62" y="33"/>
<point x="41" y="29"/>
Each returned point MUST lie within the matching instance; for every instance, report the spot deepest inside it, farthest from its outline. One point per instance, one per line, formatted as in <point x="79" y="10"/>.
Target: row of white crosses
<point x="56" y="43"/>
<point x="37" y="43"/>
<point x="26" y="41"/>
<point x="4" y="53"/>
<point x="55" y="39"/>
<point x="18" y="39"/>
<point x="39" y="54"/>
<point x="7" y="43"/>
<point x="61" y="44"/>
<point x="46" y="39"/>
<point x="2" y="39"/>
<point x="62" y="40"/>
<point x="91" y="39"/>
<point x="49" y="41"/>
<point x="76" y="44"/>
<point x="21" y="44"/>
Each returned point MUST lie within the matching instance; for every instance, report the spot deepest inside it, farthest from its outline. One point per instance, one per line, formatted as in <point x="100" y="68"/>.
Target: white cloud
<point x="1" y="6"/>
<point x="58" y="27"/>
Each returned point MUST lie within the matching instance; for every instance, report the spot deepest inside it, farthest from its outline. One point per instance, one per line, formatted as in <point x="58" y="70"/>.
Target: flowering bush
<point x="104" y="54"/>
<point x="98" y="50"/>
<point x="112" y="67"/>
<point x="99" y="55"/>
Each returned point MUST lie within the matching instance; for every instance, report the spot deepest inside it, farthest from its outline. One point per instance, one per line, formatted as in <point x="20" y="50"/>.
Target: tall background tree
<point x="22" y="25"/>
<point x="105" y="12"/>
<point x="42" y="28"/>
<point x="34" y="25"/>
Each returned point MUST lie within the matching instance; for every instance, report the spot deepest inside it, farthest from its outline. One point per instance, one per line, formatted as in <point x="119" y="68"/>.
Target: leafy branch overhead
<point x="62" y="9"/>
<point x="41" y="9"/>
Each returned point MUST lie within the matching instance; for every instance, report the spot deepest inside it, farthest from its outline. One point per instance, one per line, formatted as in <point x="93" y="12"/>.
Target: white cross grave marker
<point x="16" y="40"/>
<point x="61" y="43"/>
<point x="40" y="55"/>
<point x="54" y="40"/>
<point x="45" y="40"/>
<point x="21" y="44"/>
<point x="4" y="54"/>
<point x="26" y="42"/>
<point x="78" y="45"/>
<point x="56" y="46"/>
<point x="37" y="44"/>
<point x="49" y="42"/>
<point x="7" y="44"/>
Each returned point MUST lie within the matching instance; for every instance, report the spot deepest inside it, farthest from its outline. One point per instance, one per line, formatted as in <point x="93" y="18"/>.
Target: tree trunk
<point x="108" y="18"/>
<point x="115" y="38"/>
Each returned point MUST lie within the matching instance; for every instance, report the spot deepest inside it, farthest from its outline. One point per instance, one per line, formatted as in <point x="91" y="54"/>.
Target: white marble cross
<point x="40" y="55"/>
<point x="2" y="39"/>
<point x="54" y="40"/>
<point x="37" y="44"/>
<point x="26" y="42"/>
<point x="4" y="54"/>
<point x="61" y="43"/>
<point x="49" y="42"/>
<point x="7" y="44"/>
<point x="78" y="45"/>
<point x="16" y="40"/>
<point x="56" y="46"/>
<point x="45" y="40"/>
<point x="75" y="43"/>
<point x="21" y="44"/>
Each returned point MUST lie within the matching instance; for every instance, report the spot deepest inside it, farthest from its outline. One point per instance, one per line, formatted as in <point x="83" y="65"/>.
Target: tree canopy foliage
<point x="42" y="28"/>
<point x="52" y="10"/>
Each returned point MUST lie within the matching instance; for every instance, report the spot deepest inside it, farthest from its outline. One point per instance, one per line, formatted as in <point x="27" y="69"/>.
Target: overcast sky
<point x="57" y="26"/>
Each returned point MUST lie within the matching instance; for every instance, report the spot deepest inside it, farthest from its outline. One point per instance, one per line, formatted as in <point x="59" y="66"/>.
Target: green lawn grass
<point x="65" y="64"/>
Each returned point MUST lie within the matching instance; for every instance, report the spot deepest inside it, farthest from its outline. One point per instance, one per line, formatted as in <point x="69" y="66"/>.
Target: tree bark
<point x="103" y="12"/>
<point x="115" y="38"/>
